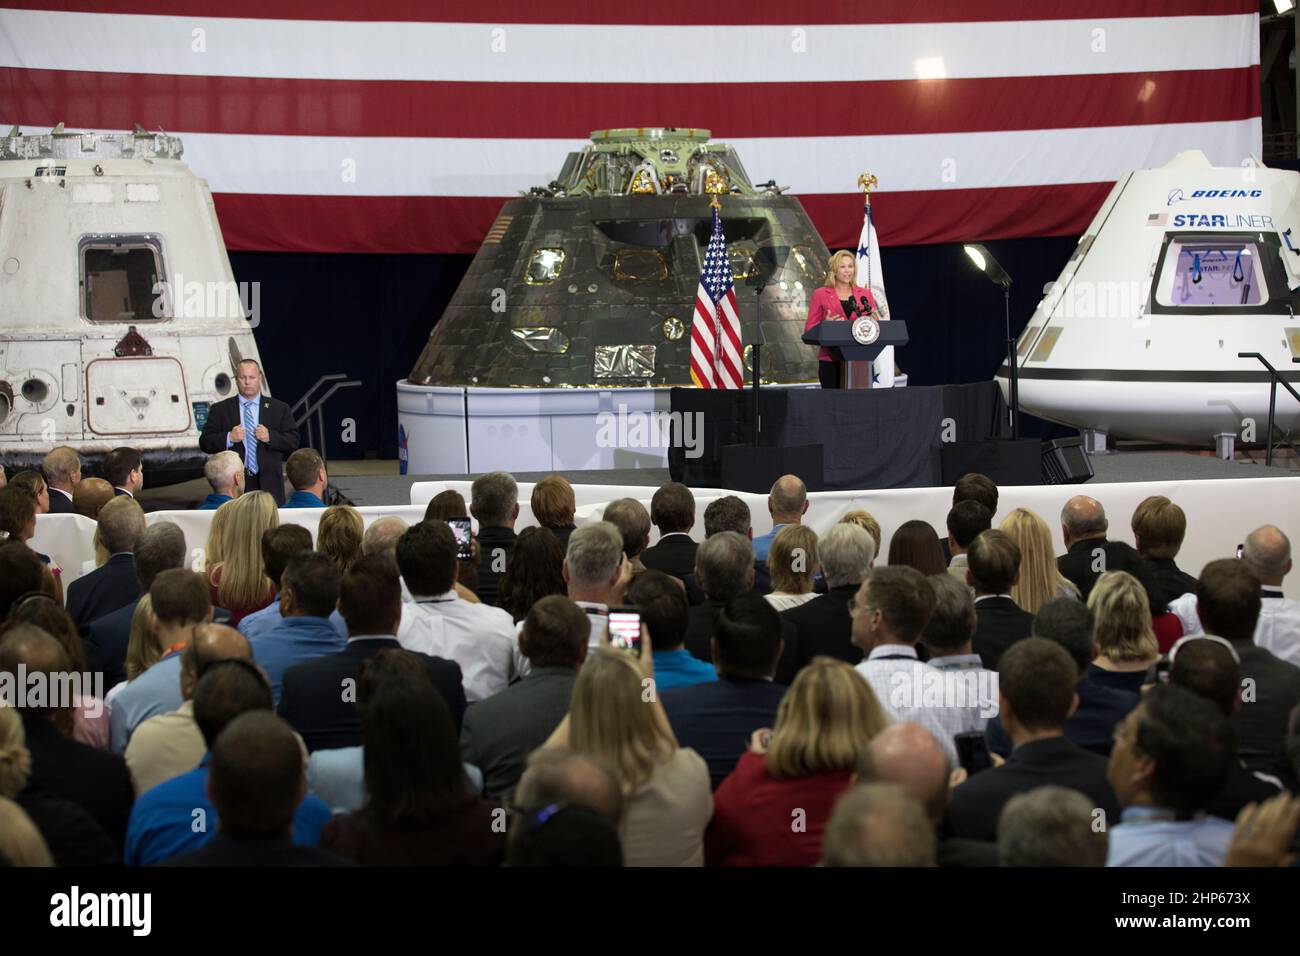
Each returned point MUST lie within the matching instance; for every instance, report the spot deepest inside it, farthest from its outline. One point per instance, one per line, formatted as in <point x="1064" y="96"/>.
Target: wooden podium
<point x="837" y="335"/>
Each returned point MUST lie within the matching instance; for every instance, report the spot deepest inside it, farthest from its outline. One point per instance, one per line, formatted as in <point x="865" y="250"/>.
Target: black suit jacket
<point x="999" y="623"/>
<point x="226" y="850"/>
<point x="976" y="804"/>
<point x="278" y="419"/>
<point x="717" y="718"/>
<point x="1261" y="723"/>
<point x="73" y="836"/>
<point x="674" y="554"/>
<point x="501" y="732"/>
<point x="491" y="540"/>
<point x="311" y="697"/>
<point x="107" y="640"/>
<point x="699" y="634"/>
<point x="824" y="630"/>
<point x="111" y="586"/>
<point x="94" y="779"/>
<point x="1076" y="564"/>
<point x="1173" y="580"/>
<point x="60" y="504"/>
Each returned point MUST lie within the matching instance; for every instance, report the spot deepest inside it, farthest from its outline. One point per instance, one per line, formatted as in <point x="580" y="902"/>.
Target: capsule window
<point x="123" y="279"/>
<point x="545" y="266"/>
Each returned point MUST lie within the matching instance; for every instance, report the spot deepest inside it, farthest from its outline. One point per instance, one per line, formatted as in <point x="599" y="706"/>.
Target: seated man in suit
<point x="124" y="470"/>
<point x="308" y="596"/>
<point x="1228" y="604"/>
<point x="824" y="625"/>
<point x="787" y="503"/>
<point x="257" y="428"/>
<point x="992" y="567"/>
<point x="500" y="732"/>
<point x="730" y="513"/>
<point x="1037" y="682"/>
<point x="966" y="521"/>
<point x="633" y="523"/>
<point x="90" y="495"/>
<point x="62" y="470"/>
<point x="61" y="767"/>
<point x="370" y="599"/>
<point x="159" y="548"/>
<point x="878" y="824"/>
<point x="250" y="790"/>
<point x="494" y="504"/>
<point x="717" y="718"/>
<point x="672" y="511"/>
<point x="114" y="584"/>
<point x="225" y="473"/>
<point x="664" y="611"/>
<point x="1083" y="526"/>
<point x="1050" y="826"/>
<point x="1159" y="526"/>
<point x="1068" y="622"/>
<point x="305" y="470"/>
<point x="1172" y="756"/>
<point x="1268" y="552"/>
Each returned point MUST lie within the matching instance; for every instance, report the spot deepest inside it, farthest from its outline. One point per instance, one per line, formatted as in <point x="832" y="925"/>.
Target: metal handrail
<point x="310" y="407"/>
<point x="1274" y="377"/>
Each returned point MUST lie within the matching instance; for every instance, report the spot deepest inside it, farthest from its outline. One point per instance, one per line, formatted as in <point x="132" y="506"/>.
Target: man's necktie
<point x="250" y="439"/>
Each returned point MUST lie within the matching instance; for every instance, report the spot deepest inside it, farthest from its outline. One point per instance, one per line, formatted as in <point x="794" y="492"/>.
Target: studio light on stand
<point x="990" y="266"/>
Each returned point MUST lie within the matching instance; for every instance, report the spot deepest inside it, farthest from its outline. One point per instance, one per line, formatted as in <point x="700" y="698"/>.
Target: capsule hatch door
<point x="136" y="396"/>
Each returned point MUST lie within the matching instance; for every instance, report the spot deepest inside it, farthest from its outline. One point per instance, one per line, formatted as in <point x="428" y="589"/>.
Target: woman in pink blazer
<point x="831" y="302"/>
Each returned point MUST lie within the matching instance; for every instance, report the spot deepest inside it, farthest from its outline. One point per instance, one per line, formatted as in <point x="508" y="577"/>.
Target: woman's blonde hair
<point x="15" y="759"/>
<point x="834" y="264"/>
<point x="1123" y="618"/>
<point x="216" y="534"/>
<point x="142" y="648"/>
<point x="244" y="582"/>
<point x="864" y="519"/>
<point x="1039" y="579"/>
<point x="826" y="718"/>
<point x="610" y="720"/>
<point x="339" y="535"/>
<point x="21" y="844"/>
<point x="792" y="559"/>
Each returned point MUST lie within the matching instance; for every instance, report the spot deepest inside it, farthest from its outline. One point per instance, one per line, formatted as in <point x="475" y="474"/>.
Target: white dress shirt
<point x="478" y="637"/>
<point x="943" y="701"/>
<point x="1278" y="629"/>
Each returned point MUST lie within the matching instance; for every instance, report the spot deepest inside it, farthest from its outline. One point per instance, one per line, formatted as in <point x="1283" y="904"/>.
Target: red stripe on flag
<point x="381" y="108"/>
<point x="459" y="223"/>
<point x="662" y="12"/>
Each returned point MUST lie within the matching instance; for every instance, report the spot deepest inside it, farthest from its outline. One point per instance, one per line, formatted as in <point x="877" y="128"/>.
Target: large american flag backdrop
<point x="400" y="125"/>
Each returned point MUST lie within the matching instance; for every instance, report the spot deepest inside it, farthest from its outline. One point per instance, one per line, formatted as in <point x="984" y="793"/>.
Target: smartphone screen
<point x="973" y="752"/>
<point x="460" y="527"/>
<point x="625" y="629"/>
<point x="1241" y="549"/>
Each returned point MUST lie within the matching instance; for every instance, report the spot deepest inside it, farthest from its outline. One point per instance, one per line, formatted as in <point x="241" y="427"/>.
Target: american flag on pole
<point x="715" y="330"/>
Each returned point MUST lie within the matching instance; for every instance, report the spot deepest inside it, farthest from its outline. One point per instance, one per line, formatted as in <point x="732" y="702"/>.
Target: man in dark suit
<point x="992" y="567"/>
<point x="370" y="600"/>
<point x="251" y="417"/>
<point x="64" y="768"/>
<point x="1158" y="529"/>
<point x="672" y="511"/>
<point x="824" y="625"/>
<point x="724" y="568"/>
<point x="717" y="718"/>
<point x="494" y="504"/>
<point x="1228" y="604"/>
<point x="256" y="782"/>
<point x="503" y="730"/>
<point x="1083" y="526"/>
<point x="159" y="548"/>
<point x="124" y="470"/>
<point x="62" y="470"/>
<point x="1036" y="695"/>
<point x="114" y="584"/>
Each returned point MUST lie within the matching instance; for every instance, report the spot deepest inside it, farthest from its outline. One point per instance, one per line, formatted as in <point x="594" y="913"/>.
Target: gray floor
<point x="1142" y="464"/>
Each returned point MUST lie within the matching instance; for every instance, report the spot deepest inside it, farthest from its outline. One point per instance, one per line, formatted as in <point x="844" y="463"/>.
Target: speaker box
<point x="1065" y="462"/>
<point x="1006" y="461"/>
<point x="746" y="468"/>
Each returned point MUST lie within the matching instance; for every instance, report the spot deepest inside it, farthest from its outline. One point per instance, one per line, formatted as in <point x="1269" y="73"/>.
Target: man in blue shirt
<point x="306" y="472"/>
<point x="661" y="599"/>
<point x="177" y="816"/>
<point x="1171" y="758"/>
<point x="309" y="593"/>
<point x="225" y="473"/>
<point x="787" y="502"/>
<point x="278" y="546"/>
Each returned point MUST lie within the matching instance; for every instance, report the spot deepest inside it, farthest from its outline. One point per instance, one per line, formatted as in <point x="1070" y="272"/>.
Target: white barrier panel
<point x="1220" y="513"/>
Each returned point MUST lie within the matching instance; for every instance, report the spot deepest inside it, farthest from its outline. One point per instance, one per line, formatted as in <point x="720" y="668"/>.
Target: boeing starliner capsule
<point x="1182" y="268"/>
<point x="120" y="320"/>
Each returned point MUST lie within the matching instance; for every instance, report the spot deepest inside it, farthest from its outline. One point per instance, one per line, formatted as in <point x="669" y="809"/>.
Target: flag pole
<point x="717" y="316"/>
<point x="867" y="182"/>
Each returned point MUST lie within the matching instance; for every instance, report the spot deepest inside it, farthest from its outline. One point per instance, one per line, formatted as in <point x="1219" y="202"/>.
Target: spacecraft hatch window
<point x="640" y="265"/>
<point x="1206" y="273"/>
<point x="122" y="279"/>
<point x="545" y="266"/>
